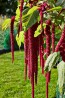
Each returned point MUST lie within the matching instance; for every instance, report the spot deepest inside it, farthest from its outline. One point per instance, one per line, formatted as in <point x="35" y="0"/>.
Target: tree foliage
<point x="8" y="7"/>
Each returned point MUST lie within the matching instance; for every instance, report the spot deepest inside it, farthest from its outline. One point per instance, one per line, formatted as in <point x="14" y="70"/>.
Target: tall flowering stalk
<point x="41" y="51"/>
<point x="61" y="45"/>
<point x="36" y="53"/>
<point x="26" y="53"/>
<point x="12" y="36"/>
<point x="41" y="37"/>
<point x="32" y="56"/>
<point x="48" y="37"/>
<point x="31" y="49"/>
<point x="48" y="44"/>
<point x="60" y="41"/>
<point x="21" y="9"/>
<point x="62" y="50"/>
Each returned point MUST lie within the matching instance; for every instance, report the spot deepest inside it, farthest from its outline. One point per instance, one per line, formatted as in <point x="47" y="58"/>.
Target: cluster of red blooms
<point x="33" y="46"/>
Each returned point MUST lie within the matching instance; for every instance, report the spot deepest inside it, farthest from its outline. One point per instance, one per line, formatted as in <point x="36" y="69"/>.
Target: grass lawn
<point x="12" y="84"/>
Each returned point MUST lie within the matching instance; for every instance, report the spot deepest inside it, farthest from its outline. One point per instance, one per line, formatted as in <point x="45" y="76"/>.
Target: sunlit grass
<point x="12" y="84"/>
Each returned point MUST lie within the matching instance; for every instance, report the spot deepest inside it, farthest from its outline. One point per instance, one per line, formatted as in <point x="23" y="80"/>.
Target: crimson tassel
<point x="60" y="41"/>
<point x="29" y="63"/>
<point x="26" y="53"/>
<point x="41" y="51"/>
<point x="32" y="67"/>
<point x="41" y="42"/>
<point x="21" y="9"/>
<point x="12" y="37"/>
<point x="36" y="69"/>
<point x="53" y="37"/>
<point x="62" y="50"/>
<point x="31" y="47"/>
<point x="61" y="45"/>
<point x="48" y="37"/>
<point x="36" y="42"/>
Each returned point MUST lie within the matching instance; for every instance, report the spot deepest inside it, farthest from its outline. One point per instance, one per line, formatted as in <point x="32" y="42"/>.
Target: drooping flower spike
<point x="12" y="36"/>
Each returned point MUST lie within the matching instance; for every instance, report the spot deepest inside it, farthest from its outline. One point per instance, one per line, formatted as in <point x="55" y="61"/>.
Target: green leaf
<point x="61" y="75"/>
<point x="17" y="17"/>
<point x="25" y="11"/>
<point x="18" y="11"/>
<point x="38" y="31"/>
<point x="25" y="0"/>
<point x="55" y="8"/>
<point x="6" y="24"/>
<point x="32" y="10"/>
<point x="61" y="3"/>
<point x="20" y="38"/>
<point x="51" y="61"/>
<point x="30" y="19"/>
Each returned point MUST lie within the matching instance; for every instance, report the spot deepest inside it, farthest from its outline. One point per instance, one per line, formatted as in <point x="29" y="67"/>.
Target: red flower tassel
<point x="29" y="63"/>
<point x="26" y="53"/>
<point x="41" y="42"/>
<point x="60" y="41"/>
<point x="12" y="37"/>
<point x="36" y="42"/>
<point x="21" y="10"/>
<point x="31" y="48"/>
<point x="32" y="67"/>
<point x="62" y="50"/>
<point x="41" y="51"/>
<point x="48" y="40"/>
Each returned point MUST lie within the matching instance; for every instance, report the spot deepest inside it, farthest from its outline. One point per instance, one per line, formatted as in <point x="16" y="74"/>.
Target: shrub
<point x="7" y="44"/>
